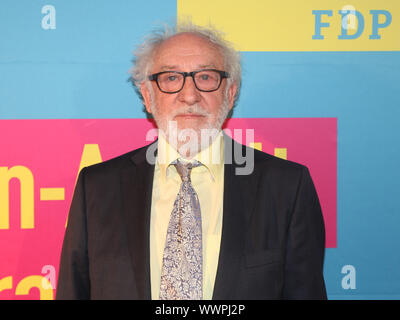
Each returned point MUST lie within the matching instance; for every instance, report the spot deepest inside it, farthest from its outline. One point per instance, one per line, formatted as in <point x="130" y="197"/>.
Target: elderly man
<point x="187" y="226"/>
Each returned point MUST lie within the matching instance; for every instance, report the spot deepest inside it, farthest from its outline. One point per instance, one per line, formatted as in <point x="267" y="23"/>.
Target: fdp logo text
<point x="353" y="23"/>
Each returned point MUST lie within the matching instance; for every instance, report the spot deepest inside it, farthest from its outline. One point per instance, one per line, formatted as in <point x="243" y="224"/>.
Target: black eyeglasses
<point x="206" y="80"/>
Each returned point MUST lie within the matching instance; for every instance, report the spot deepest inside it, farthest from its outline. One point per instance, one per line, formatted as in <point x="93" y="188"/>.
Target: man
<point x="185" y="226"/>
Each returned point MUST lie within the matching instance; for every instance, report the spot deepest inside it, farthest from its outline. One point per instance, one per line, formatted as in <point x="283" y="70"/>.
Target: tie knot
<point x="184" y="169"/>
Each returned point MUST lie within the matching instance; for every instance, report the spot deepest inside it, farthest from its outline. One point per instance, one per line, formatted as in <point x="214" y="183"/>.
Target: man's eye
<point x="171" y="78"/>
<point x="205" y="77"/>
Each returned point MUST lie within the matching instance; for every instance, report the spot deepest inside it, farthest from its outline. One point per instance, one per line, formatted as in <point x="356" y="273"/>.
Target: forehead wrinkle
<point x="176" y="68"/>
<point x="168" y="67"/>
<point x="180" y="54"/>
<point x="207" y="66"/>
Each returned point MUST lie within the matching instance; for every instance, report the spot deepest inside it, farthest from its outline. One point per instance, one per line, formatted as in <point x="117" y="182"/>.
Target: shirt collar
<point x="210" y="157"/>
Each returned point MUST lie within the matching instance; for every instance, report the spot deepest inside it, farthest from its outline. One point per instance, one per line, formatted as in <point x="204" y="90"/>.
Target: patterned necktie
<point x="182" y="271"/>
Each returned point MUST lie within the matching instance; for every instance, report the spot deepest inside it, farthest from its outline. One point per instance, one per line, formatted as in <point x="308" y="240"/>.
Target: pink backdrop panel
<point x="51" y="151"/>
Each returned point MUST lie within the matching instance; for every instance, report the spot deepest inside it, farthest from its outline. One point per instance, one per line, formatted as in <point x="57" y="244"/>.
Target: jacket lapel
<point x="136" y="193"/>
<point x="239" y="199"/>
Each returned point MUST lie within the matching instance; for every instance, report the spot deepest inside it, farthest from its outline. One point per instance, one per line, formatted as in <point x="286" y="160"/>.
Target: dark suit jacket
<point x="272" y="244"/>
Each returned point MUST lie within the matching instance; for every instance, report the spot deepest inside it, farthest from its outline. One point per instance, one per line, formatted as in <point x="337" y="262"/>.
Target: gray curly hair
<point x="143" y="55"/>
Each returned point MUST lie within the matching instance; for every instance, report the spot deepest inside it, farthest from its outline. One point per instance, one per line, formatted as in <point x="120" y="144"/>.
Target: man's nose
<point x="189" y="93"/>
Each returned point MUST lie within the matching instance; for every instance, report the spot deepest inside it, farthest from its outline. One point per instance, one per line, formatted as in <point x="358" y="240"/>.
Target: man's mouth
<point x="189" y="115"/>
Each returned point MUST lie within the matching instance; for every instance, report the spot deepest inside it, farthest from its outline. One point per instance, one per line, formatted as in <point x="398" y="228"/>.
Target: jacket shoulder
<point x="112" y="165"/>
<point x="265" y="159"/>
<point x="278" y="170"/>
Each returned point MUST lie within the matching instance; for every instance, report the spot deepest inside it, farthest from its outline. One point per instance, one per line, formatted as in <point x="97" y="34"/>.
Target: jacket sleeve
<point x="305" y="245"/>
<point x="73" y="278"/>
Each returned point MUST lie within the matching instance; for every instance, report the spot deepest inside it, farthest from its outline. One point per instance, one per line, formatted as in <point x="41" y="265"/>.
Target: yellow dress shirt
<point x="208" y="182"/>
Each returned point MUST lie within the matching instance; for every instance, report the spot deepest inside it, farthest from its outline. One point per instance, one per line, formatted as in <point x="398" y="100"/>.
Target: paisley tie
<point x="182" y="270"/>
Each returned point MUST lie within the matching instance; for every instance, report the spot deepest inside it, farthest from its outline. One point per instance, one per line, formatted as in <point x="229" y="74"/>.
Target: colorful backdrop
<point x="320" y="87"/>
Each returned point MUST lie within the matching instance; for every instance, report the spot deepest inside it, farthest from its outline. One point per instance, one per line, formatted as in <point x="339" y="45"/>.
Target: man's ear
<point x="144" y="90"/>
<point x="232" y="94"/>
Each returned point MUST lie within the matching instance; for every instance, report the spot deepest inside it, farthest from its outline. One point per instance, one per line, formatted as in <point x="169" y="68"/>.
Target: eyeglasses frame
<point x="154" y="77"/>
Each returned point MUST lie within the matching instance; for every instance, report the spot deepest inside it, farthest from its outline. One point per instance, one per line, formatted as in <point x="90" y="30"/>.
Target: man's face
<point x="190" y="108"/>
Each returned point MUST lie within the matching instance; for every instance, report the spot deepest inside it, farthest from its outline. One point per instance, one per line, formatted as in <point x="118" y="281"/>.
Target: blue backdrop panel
<point x="80" y="70"/>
